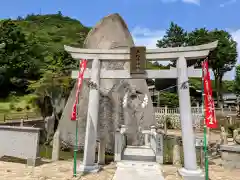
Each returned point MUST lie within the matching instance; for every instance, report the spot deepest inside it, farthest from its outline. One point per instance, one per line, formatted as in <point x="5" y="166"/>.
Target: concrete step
<point x="138" y="164"/>
<point x="128" y="170"/>
<point x="139" y="153"/>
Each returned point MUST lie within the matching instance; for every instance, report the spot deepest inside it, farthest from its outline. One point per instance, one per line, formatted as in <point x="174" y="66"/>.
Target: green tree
<point x="18" y="59"/>
<point x="236" y="87"/>
<point x="61" y="60"/>
<point x="222" y="59"/>
<point x="175" y="36"/>
<point x="237" y="81"/>
<point x="54" y="85"/>
<point x="169" y="99"/>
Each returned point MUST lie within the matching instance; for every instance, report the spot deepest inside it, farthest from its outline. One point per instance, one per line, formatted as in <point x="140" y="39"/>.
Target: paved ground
<point x="129" y="170"/>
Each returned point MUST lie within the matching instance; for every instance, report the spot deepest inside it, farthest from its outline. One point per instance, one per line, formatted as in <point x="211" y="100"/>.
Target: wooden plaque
<point x="138" y="59"/>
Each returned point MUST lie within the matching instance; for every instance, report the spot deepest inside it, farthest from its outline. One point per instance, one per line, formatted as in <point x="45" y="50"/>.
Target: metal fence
<point x="170" y="117"/>
<point x="195" y="110"/>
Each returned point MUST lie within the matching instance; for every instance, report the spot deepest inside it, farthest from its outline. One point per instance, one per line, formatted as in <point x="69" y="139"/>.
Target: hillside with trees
<point x="34" y="58"/>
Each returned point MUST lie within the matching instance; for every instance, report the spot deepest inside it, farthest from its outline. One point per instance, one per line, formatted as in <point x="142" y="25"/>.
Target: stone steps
<point x="139" y="163"/>
<point x="139" y="153"/>
<point x="128" y="170"/>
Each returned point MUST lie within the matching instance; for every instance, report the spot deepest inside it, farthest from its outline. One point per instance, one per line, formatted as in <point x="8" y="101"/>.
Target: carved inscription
<point x="138" y="59"/>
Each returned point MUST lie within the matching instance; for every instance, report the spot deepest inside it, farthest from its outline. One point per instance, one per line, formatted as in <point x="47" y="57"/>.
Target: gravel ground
<point x="216" y="172"/>
<point x="62" y="170"/>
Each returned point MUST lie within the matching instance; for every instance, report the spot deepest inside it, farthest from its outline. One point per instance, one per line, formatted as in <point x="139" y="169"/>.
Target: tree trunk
<point x="217" y="93"/>
<point x="218" y="88"/>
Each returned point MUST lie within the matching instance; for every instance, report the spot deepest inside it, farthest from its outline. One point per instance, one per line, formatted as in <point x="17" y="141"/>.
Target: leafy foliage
<point x="175" y="36"/>
<point x="169" y="99"/>
<point x="33" y="60"/>
<point x="19" y="59"/>
<point x="221" y="60"/>
<point x="34" y="47"/>
<point x="237" y="81"/>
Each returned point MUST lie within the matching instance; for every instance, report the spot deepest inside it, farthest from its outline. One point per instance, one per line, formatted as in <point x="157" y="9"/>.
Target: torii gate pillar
<point x="190" y="169"/>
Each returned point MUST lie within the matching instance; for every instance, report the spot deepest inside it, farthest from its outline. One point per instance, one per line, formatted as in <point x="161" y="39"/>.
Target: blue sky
<point x="146" y="19"/>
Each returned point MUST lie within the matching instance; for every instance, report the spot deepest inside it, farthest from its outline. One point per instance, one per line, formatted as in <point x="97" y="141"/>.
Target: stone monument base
<point x="191" y="175"/>
<point x="230" y="155"/>
<point x="89" y="169"/>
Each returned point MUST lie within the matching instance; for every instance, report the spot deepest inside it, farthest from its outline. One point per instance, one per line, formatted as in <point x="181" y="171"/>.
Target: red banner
<point x="210" y="116"/>
<point x="82" y="67"/>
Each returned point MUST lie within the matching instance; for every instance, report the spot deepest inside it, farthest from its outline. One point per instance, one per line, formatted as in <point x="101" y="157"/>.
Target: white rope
<point x="145" y="101"/>
<point x="125" y="100"/>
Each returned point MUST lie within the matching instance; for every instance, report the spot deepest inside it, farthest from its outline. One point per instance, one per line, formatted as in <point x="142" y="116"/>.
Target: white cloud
<point x="228" y="2"/>
<point x="169" y="1"/>
<point x="147" y="37"/>
<point x="197" y="2"/>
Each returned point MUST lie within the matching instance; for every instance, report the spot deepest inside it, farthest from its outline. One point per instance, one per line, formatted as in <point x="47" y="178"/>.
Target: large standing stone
<point x="111" y="32"/>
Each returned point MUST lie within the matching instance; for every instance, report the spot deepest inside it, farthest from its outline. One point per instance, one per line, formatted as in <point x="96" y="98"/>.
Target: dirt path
<point x="215" y="173"/>
<point x="61" y="170"/>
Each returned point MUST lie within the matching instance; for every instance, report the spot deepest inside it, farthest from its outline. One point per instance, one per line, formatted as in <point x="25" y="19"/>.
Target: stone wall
<point x="20" y="142"/>
<point x="230" y="155"/>
<point x="231" y="159"/>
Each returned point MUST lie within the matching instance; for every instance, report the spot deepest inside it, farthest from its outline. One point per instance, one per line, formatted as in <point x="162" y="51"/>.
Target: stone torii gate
<point x="181" y="72"/>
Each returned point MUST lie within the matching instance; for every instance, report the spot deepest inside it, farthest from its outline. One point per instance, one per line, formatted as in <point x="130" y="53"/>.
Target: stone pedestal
<point x="176" y="153"/>
<point x="56" y="146"/>
<point x="230" y="155"/>
<point x="90" y="169"/>
<point x="192" y="174"/>
<point x="223" y="136"/>
<point x="117" y="148"/>
<point x="101" y="152"/>
<point x="146" y="139"/>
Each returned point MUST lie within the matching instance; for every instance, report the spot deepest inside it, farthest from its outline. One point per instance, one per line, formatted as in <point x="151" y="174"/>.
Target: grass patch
<point x="13" y="103"/>
<point x="17" y="107"/>
<point x="46" y="152"/>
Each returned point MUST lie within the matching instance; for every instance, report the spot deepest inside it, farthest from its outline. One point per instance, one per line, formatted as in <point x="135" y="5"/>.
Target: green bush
<point x="27" y="107"/>
<point x="231" y="128"/>
<point x="169" y="123"/>
<point x="12" y="106"/>
<point x="18" y="109"/>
